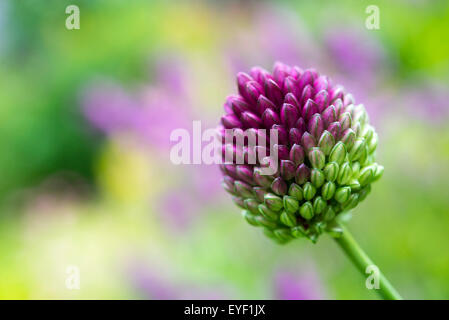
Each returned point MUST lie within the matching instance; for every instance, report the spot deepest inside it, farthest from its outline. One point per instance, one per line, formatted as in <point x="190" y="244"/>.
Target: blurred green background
<point x="85" y="118"/>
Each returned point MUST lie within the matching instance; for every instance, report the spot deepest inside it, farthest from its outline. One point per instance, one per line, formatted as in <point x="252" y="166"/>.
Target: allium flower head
<point x="325" y="151"/>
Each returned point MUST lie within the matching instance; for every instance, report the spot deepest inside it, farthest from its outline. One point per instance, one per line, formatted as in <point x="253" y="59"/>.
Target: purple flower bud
<point x="336" y="92"/>
<point x="230" y="121"/>
<point x="329" y="115"/>
<point x="296" y="72"/>
<point x="321" y="83"/>
<point x="307" y="94"/>
<point x="238" y="105"/>
<point x="289" y="115"/>
<point x="291" y="99"/>
<point x="309" y="109"/>
<point x="301" y="125"/>
<point x="297" y="154"/>
<point x="260" y="75"/>
<point x="282" y="151"/>
<point x="252" y="91"/>
<point x="242" y="79"/>
<point x="250" y="120"/>
<point x="273" y="92"/>
<point x="282" y="133"/>
<point x="306" y="79"/>
<point x="280" y="72"/>
<point x="260" y="193"/>
<point x="316" y="126"/>
<point x="264" y="103"/>
<point x="321" y="99"/>
<point x="270" y="118"/>
<point x="239" y="202"/>
<point x="295" y="136"/>
<point x="302" y="174"/>
<point x="334" y="128"/>
<point x="291" y="86"/>
<point x="245" y="173"/>
<point x="288" y="169"/>
<point x="308" y="141"/>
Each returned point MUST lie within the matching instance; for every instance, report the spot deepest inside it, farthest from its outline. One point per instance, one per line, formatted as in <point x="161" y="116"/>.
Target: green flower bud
<point x="345" y="173"/>
<point x="317" y="177"/>
<point x="250" y="218"/>
<point x="309" y="191"/>
<point x="291" y="205"/>
<point x="338" y="153"/>
<point x="319" y="205"/>
<point x="368" y="132"/>
<point x="295" y="191"/>
<point x="288" y="218"/>
<point x="283" y="235"/>
<point x="317" y="158"/>
<point x="352" y="202"/>
<point x="348" y="138"/>
<point x="357" y="150"/>
<point x="252" y="205"/>
<point x="326" y="142"/>
<point x="331" y="171"/>
<point x="306" y="210"/>
<point x="267" y="213"/>
<point x="265" y="222"/>
<point x="239" y="202"/>
<point x="298" y="232"/>
<point x="328" y="190"/>
<point x="342" y="194"/>
<point x="364" y="192"/>
<point x="329" y="213"/>
<point x="355" y="169"/>
<point x="269" y="233"/>
<point x="243" y="189"/>
<point x="366" y="175"/>
<point x="379" y="172"/>
<point x="372" y="144"/>
<point x="273" y="202"/>
<point x="354" y="185"/>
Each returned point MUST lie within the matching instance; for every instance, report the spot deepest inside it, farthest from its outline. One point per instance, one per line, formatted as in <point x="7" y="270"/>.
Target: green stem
<point x="362" y="261"/>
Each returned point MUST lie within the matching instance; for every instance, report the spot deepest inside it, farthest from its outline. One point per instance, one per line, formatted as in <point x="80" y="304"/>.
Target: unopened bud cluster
<point x="326" y="151"/>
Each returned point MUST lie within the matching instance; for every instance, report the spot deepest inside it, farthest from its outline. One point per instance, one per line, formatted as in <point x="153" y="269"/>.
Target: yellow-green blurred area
<point x="86" y="183"/>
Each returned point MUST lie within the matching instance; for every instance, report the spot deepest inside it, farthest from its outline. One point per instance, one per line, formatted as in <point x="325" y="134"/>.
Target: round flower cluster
<point x="325" y="150"/>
